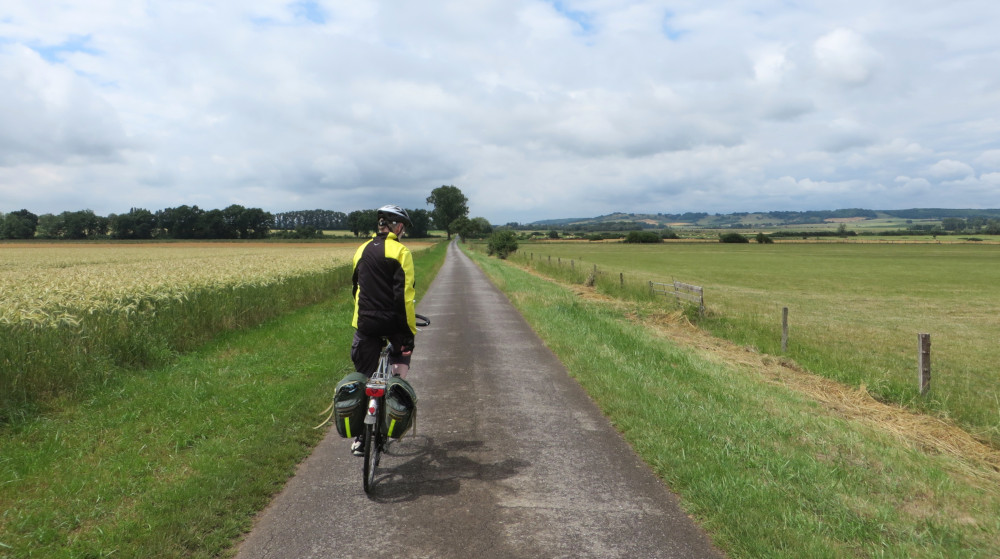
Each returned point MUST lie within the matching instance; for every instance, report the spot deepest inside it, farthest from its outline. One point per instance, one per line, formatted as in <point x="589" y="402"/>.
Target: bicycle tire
<point x="371" y="457"/>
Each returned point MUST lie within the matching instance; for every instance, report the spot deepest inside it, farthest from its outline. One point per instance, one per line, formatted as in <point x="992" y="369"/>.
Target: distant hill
<point x="742" y="220"/>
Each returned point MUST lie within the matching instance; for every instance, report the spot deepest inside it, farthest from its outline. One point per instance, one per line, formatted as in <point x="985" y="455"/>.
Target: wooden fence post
<point x="925" y="363"/>
<point x="784" y="329"/>
<point x="621" y="279"/>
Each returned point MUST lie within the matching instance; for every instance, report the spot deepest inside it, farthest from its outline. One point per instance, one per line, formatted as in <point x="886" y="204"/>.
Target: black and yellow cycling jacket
<point x="384" y="287"/>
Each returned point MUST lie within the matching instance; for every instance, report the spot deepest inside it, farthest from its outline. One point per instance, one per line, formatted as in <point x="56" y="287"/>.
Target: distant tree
<point x="21" y="224"/>
<point x="235" y="217"/>
<point x="354" y="222"/>
<point x="669" y="233"/>
<point x="257" y="224"/>
<point x="421" y="223"/>
<point x="475" y="228"/>
<point x="318" y="219"/>
<point x="449" y="204"/>
<point x="182" y="222"/>
<point x="643" y="237"/>
<point x="763" y="239"/>
<point x="49" y="226"/>
<point x="482" y="226"/>
<point x="83" y="224"/>
<point x="502" y="243"/>
<point x="138" y="223"/>
<point x="553" y="234"/>
<point x="461" y="226"/>
<point x="732" y="238"/>
<point x="212" y="224"/>
<point x="953" y="224"/>
<point x="362" y="222"/>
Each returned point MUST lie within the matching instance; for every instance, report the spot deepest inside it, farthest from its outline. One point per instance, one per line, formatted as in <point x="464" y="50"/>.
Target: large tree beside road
<point x="449" y="205"/>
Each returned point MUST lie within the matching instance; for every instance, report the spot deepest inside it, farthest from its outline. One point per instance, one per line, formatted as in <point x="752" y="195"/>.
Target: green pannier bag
<point x="349" y="403"/>
<point x="400" y="408"/>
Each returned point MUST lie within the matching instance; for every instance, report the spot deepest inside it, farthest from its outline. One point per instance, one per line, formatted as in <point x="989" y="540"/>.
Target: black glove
<point x="407" y="345"/>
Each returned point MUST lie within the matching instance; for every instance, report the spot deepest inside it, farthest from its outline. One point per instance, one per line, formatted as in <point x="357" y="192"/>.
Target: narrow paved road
<point x="511" y="459"/>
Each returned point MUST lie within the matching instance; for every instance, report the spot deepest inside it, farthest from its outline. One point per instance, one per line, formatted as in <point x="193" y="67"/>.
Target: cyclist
<point x="383" y="299"/>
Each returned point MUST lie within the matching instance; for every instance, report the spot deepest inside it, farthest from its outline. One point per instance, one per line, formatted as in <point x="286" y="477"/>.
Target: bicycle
<point x="377" y="442"/>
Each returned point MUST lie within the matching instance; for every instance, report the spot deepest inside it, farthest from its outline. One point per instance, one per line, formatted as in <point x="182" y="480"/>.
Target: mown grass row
<point x="767" y="471"/>
<point x="175" y="460"/>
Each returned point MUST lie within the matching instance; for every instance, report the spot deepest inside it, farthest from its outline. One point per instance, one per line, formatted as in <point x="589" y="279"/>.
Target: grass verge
<point x="175" y="461"/>
<point x="768" y="472"/>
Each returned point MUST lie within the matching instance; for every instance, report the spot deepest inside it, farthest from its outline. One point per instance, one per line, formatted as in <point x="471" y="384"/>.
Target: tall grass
<point x="855" y="309"/>
<point x="767" y="471"/>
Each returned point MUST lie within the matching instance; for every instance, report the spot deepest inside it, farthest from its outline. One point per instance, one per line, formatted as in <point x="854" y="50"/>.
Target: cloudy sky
<point x="533" y="108"/>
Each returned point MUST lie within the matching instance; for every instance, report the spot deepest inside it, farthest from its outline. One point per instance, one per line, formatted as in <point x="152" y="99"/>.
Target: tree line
<point x="450" y="214"/>
<point x="182" y="222"/>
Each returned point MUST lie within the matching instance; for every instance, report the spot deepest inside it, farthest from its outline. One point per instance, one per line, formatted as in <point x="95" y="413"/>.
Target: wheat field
<point x="59" y="285"/>
<point x="71" y="313"/>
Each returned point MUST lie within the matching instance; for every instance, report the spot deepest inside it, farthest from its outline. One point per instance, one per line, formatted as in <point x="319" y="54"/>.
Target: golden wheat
<point x="56" y="286"/>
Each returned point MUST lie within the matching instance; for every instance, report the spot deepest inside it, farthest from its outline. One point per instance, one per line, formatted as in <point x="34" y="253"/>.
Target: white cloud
<point x="914" y="186"/>
<point x="845" y="56"/>
<point x="52" y="115"/>
<point x="949" y="170"/>
<point x="991" y="180"/>
<point x="535" y="109"/>
<point x="771" y="65"/>
<point x="989" y="159"/>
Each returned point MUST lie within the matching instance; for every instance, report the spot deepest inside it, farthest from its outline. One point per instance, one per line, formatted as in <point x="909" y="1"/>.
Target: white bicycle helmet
<point x="391" y="212"/>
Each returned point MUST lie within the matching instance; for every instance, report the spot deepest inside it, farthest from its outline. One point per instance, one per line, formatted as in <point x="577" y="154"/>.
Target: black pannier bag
<point x="349" y="403"/>
<point x="400" y="408"/>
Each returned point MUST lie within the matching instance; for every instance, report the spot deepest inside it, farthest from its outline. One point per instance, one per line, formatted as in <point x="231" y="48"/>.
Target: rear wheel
<point x="371" y="457"/>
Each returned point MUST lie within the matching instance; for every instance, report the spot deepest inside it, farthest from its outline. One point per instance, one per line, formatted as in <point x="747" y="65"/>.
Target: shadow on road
<point x="432" y="469"/>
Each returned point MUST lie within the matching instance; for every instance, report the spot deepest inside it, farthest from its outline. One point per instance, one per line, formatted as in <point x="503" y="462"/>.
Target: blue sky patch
<point x="304" y="12"/>
<point x="583" y="19"/>
<point x="670" y="30"/>
<point x="57" y="53"/>
<point x="308" y="10"/>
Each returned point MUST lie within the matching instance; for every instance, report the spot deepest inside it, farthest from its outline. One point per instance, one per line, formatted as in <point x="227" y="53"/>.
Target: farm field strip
<point x="50" y="285"/>
<point x="73" y="316"/>
<point x="855" y="310"/>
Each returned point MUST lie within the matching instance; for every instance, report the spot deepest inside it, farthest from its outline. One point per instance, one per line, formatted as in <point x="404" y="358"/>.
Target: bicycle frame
<point x="375" y="388"/>
<point x="375" y="441"/>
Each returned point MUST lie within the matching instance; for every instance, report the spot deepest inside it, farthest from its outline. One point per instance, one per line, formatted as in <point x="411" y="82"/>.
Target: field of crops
<point x="69" y="314"/>
<point x="59" y="285"/>
<point x="855" y="309"/>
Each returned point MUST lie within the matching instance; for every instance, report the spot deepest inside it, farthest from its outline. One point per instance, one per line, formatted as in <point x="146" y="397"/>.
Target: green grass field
<point x="855" y="310"/>
<point x="768" y="471"/>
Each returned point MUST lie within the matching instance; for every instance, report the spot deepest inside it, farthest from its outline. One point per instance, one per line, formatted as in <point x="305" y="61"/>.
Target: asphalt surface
<point x="510" y="459"/>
